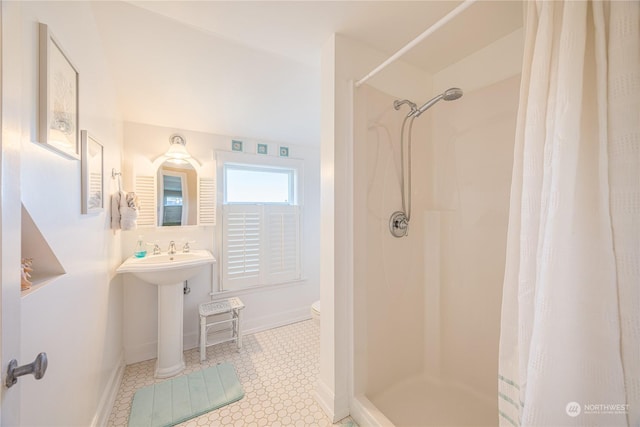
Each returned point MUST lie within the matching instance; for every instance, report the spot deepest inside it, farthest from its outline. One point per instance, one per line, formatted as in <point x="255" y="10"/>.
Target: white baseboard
<point x="109" y="395"/>
<point x="251" y="326"/>
<point x="335" y="407"/>
<point x="258" y="324"/>
<point x="146" y="351"/>
<point x="140" y="352"/>
<point x="365" y="413"/>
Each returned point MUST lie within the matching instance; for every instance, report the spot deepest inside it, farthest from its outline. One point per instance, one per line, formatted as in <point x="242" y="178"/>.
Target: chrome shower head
<point x="452" y="94"/>
<point x="448" y="95"/>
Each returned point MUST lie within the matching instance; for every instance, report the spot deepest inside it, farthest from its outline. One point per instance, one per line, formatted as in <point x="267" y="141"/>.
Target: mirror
<point x="177" y="182"/>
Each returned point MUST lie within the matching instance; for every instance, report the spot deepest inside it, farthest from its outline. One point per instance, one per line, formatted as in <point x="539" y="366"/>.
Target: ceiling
<point x="251" y="69"/>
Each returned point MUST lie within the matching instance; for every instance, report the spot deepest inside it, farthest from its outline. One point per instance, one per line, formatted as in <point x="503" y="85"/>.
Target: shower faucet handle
<point x="399" y="224"/>
<point x="402" y="224"/>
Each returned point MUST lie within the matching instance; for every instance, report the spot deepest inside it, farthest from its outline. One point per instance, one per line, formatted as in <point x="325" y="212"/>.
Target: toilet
<point x="315" y="312"/>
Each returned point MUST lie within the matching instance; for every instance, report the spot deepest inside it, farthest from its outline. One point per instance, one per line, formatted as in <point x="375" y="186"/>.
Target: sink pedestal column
<point x="170" y="317"/>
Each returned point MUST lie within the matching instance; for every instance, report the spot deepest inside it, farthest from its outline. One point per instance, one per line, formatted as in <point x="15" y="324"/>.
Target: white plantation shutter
<point x="283" y="243"/>
<point x="207" y="201"/>
<point x="146" y="191"/>
<point x="242" y="245"/>
<point x="260" y="245"/>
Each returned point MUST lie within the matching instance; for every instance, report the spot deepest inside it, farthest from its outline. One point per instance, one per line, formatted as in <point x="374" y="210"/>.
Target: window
<point x="260" y="223"/>
<point x="248" y="184"/>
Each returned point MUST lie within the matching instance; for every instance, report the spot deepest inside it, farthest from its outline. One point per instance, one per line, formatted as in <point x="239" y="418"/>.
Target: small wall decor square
<point x="236" y="145"/>
<point x="284" y="151"/>
<point x="263" y="148"/>
<point x="58" y="111"/>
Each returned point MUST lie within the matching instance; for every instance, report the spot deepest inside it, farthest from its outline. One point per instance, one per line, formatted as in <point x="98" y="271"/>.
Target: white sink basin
<point x="165" y="269"/>
<point x="169" y="272"/>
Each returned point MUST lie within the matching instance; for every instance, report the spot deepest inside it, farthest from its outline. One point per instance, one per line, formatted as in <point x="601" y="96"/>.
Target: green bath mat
<point x="173" y="401"/>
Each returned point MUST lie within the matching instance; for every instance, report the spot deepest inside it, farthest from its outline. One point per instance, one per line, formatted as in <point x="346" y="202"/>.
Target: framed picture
<point x="92" y="174"/>
<point x="58" y="125"/>
<point x="263" y="148"/>
<point x="284" y="151"/>
<point x="236" y="145"/>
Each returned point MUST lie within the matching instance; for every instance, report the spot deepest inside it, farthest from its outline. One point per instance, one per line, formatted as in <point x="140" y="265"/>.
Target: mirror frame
<point x="157" y="164"/>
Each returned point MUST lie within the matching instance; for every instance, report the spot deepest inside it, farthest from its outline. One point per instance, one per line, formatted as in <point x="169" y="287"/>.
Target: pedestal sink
<point x="168" y="272"/>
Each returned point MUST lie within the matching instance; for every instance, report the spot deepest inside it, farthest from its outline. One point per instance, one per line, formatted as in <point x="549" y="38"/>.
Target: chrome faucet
<point x="156" y="248"/>
<point x="172" y="248"/>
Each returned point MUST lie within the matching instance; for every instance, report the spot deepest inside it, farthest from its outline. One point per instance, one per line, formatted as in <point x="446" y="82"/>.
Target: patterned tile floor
<point x="277" y="369"/>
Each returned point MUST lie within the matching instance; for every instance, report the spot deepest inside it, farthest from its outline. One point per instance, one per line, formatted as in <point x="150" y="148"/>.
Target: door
<point x="10" y="206"/>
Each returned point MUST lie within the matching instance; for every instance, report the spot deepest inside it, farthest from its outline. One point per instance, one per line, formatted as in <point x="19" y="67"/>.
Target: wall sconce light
<point x="177" y="148"/>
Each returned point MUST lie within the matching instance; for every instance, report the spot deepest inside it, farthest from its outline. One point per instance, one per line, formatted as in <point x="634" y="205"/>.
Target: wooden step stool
<point x="231" y="306"/>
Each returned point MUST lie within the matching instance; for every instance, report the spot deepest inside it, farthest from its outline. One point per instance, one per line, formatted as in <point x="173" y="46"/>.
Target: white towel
<point x="124" y="210"/>
<point x="128" y="218"/>
<point x="115" y="209"/>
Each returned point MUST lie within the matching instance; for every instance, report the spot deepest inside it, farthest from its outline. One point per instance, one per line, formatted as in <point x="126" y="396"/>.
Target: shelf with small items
<point x="39" y="264"/>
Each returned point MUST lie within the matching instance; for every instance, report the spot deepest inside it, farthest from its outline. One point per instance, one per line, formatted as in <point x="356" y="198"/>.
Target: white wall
<point x="76" y="318"/>
<point x="494" y="63"/>
<point x="389" y="288"/>
<point x="474" y="141"/>
<point x="343" y="61"/>
<point x="470" y="159"/>
<point x="266" y="307"/>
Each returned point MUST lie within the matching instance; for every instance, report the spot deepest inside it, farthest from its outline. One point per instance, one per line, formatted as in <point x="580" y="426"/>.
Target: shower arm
<point x="397" y="104"/>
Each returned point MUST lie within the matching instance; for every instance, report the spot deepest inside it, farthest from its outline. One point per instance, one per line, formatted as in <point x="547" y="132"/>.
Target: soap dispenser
<point x="141" y="250"/>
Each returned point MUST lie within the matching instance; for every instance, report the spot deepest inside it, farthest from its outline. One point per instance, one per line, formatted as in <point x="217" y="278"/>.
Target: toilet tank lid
<point x="316" y="306"/>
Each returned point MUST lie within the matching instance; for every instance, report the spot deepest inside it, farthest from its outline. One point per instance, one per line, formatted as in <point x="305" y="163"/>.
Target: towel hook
<point x="114" y="174"/>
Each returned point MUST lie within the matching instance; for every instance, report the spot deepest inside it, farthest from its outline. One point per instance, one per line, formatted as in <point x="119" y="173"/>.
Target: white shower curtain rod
<point x="432" y="29"/>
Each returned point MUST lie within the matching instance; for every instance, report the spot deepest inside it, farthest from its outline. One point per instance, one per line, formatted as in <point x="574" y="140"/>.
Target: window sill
<point x="259" y="288"/>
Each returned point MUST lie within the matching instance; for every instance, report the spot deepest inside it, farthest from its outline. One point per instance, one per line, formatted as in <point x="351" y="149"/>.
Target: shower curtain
<point x="570" y="333"/>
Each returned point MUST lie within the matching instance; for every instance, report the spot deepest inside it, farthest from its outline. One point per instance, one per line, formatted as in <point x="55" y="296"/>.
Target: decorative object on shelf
<point x="58" y="124"/>
<point x="284" y="151"/>
<point x="92" y="174"/>
<point x="25" y="266"/>
<point x="177" y="148"/>
<point x="236" y="145"/>
<point x="263" y="149"/>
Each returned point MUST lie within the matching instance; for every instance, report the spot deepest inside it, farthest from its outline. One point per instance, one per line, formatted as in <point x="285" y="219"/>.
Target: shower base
<point x="423" y="402"/>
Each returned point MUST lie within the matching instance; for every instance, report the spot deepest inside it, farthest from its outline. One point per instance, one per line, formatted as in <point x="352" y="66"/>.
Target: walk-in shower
<point x="427" y="306"/>
<point x="399" y="220"/>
